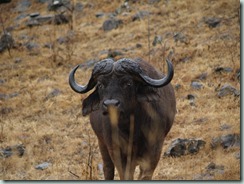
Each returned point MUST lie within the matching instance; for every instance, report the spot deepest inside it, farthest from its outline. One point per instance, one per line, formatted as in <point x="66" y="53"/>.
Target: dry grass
<point x="53" y="129"/>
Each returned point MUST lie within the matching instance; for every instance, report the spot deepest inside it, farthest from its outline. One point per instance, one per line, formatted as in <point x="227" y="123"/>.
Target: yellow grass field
<point x="39" y="109"/>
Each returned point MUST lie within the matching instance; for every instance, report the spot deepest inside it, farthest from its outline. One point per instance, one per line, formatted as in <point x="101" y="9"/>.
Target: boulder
<point x="226" y="141"/>
<point x="42" y="166"/>
<point x="18" y="149"/>
<point x="110" y="24"/>
<point x="212" y="22"/>
<point x="227" y="89"/>
<point x="196" y="85"/>
<point x="179" y="147"/>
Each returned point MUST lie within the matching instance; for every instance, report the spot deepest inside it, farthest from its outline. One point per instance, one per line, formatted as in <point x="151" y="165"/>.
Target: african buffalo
<point x="131" y="111"/>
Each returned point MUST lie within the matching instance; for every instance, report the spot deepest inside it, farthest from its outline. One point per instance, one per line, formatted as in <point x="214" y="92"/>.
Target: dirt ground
<point x="39" y="110"/>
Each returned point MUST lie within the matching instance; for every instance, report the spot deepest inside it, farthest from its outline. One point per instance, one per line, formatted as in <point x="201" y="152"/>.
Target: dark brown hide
<point x="143" y="115"/>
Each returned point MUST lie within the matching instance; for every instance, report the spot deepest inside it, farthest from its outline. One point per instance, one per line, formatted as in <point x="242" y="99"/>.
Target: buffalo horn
<point x="160" y="82"/>
<point x="79" y="88"/>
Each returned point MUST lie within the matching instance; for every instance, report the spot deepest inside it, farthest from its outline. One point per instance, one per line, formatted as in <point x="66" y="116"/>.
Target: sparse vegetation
<point x="39" y="110"/>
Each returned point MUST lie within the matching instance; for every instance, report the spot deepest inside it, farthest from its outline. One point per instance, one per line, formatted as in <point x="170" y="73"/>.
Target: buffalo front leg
<point x="148" y="164"/>
<point x="145" y="174"/>
<point x="108" y="166"/>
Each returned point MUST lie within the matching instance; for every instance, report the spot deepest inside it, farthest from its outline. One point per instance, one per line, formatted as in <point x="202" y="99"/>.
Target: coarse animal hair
<point x="131" y="110"/>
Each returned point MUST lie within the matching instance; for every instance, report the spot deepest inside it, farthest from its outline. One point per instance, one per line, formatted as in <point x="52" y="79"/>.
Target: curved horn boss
<point x="102" y="67"/>
<point x="130" y="66"/>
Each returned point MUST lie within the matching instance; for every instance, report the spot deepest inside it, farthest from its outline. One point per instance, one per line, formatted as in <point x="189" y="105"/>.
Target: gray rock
<point x="196" y="85"/>
<point x="203" y="176"/>
<point x="225" y="127"/>
<point x="7" y="96"/>
<point x="226" y="141"/>
<point x="48" y="19"/>
<point x="6" y="42"/>
<point x="24" y="37"/>
<point x="61" y="19"/>
<point x="100" y="167"/>
<point x="140" y="15"/>
<point x="31" y="45"/>
<point x="180" y="37"/>
<point x="17" y="60"/>
<point x="44" y="19"/>
<point x="212" y="22"/>
<point x="12" y="95"/>
<point x="32" y="23"/>
<point x="3" y="96"/>
<point x="179" y="147"/>
<point x="21" y="16"/>
<point x="79" y="7"/>
<point x="213" y="168"/>
<point x="62" y="40"/>
<point x="237" y="155"/>
<point x="138" y="45"/>
<point x="55" y="5"/>
<point x="2" y="81"/>
<point x="100" y="14"/>
<point x="66" y="38"/>
<point x="18" y="149"/>
<point x="59" y="5"/>
<point x="35" y="14"/>
<point x="157" y="40"/>
<point x="227" y="89"/>
<point x="223" y="69"/>
<point x="43" y="166"/>
<point x="6" y="153"/>
<point x="123" y="8"/>
<point x="42" y="1"/>
<point x="153" y="1"/>
<point x="23" y="6"/>
<point x="201" y="120"/>
<point x="110" y="24"/>
<point x="52" y="94"/>
<point x="48" y="45"/>
<point x="190" y="97"/>
<point x="177" y="86"/>
<point x="202" y="76"/>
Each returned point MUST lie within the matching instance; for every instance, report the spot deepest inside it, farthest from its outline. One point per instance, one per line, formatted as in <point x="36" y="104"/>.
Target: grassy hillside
<point x="39" y="110"/>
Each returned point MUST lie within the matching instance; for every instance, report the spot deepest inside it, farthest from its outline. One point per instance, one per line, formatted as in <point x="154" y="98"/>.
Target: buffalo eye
<point x="100" y="85"/>
<point x="127" y="84"/>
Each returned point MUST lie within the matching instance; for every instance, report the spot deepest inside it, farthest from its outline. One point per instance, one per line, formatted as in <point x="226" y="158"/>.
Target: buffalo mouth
<point x="111" y="110"/>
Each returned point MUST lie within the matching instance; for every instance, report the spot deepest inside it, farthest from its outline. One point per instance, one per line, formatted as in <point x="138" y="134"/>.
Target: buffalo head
<point x="120" y="84"/>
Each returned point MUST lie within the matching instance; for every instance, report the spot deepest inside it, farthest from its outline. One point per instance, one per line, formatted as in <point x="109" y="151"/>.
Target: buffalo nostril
<point x="110" y="102"/>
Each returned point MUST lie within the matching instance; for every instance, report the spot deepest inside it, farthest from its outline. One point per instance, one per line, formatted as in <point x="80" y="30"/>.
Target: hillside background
<point x="40" y="116"/>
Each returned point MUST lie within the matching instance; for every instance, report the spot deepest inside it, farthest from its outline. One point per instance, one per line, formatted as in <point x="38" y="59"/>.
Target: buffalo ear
<point x="147" y="94"/>
<point x="91" y="103"/>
